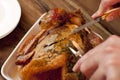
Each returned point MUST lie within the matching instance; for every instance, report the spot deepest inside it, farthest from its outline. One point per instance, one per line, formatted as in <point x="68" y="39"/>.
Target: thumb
<point x="104" y="6"/>
<point x="102" y="9"/>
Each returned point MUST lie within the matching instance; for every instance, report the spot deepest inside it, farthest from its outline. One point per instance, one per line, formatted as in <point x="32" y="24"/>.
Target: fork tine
<point x="76" y="53"/>
<point x="72" y="50"/>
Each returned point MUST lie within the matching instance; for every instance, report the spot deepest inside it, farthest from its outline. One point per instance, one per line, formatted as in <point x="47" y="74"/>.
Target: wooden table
<point x="31" y="11"/>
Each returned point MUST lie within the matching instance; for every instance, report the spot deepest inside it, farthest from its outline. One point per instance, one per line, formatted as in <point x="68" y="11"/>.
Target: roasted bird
<point x="37" y="61"/>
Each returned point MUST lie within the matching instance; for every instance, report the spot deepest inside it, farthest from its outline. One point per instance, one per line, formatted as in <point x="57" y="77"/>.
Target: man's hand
<point x="106" y="5"/>
<point x="102" y="62"/>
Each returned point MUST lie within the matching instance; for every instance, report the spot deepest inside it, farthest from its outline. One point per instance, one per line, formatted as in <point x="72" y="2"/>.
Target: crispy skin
<point x="39" y="65"/>
<point x="54" y="62"/>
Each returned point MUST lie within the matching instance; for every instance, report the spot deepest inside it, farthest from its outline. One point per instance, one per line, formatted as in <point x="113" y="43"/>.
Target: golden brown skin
<point x="54" y="62"/>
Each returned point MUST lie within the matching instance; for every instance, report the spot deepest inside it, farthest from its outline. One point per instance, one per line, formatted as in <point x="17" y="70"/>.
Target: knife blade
<point x="86" y="25"/>
<point x="103" y="17"/>
<point x="75" y="31"/>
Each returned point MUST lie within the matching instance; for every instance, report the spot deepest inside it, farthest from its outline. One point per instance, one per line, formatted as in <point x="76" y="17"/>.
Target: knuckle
<point x="114" y="36"/>
<point x="106" y="2"/>
<point x="113" y="39"/>
<point x="114" y="75"/>
<point x="112" y="78"/>
<point x="109" y="49"/>
<point x="111" y="63"/>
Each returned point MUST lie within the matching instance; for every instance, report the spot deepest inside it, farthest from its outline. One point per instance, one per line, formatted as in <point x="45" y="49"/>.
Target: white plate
<point x="10" y="13"/>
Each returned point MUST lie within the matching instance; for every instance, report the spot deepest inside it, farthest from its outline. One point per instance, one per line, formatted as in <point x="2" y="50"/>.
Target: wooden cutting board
<point x="31" y="11"/>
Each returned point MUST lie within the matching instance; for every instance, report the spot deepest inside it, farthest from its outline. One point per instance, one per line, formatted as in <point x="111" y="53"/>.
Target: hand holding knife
<point x="103" y="17"/>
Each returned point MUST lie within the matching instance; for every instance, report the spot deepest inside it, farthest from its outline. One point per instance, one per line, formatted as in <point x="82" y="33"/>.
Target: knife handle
<point x="104" y="16"/>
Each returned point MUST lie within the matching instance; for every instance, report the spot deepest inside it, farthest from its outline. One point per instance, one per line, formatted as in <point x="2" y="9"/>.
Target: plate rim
<point x="18" y="19"/>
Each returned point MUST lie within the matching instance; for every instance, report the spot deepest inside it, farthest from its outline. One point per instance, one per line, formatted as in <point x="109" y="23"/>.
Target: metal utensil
<point x="76" y="53"/>
<point x="103" y="17"/>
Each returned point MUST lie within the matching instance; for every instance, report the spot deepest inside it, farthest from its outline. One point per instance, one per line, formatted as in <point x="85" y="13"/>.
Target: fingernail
<point x="74" y="69"/>
<point x="77" y="66"/>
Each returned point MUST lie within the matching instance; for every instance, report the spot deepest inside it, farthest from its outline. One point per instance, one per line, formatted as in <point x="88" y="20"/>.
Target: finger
<point x="104" y="6"/>
<point x="89" y="66"/>
<point x="99" y="74"/>
<point x="97" y="49"/>
<point x="113" y="15"/>
<point x="101" y="10"/>
<point x="113" y="73"/>
<point x="113" y="67"/>
<point x="88" y="63"/>
<point x="76" y="68"/>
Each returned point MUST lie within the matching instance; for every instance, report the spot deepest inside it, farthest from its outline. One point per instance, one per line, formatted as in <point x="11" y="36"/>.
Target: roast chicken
<point x="37" y="60"/>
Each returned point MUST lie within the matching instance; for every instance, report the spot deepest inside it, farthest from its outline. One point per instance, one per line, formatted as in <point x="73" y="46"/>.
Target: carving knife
<point x="103" y="17"/>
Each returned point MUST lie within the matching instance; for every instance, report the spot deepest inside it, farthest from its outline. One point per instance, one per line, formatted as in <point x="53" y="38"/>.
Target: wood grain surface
<point x="33" y="9"/>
